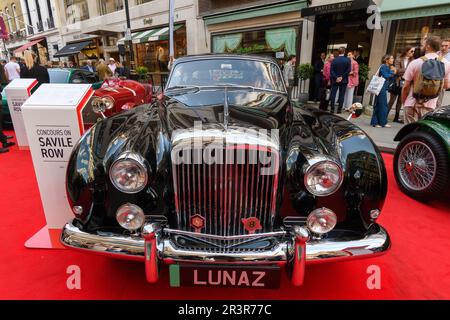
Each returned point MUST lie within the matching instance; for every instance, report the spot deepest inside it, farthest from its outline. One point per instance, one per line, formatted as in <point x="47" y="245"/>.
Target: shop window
<point x="267" y="42"/>
<point x="109" y="6"/>
<point x="412" y="32"/>
<point x="76" y="10"/>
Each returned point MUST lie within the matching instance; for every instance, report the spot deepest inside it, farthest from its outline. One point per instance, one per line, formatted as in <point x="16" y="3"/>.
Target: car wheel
<point x="421" y="166"/>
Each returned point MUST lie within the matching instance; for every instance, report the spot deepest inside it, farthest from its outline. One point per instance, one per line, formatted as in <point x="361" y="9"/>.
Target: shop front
<point x="151" y="51"/>
<point x="278" y="42"/>
<point x="340" y="24"/>
<point x="273" y="29"/>
<point x="413" y="21"/>
<point x="411" y="24"/>
<point x="79" y="52"/>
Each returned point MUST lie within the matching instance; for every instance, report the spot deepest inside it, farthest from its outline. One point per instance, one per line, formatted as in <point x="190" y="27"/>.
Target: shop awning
<point x="150" y="35"/>
<point x="27" y="45"/>
<point x="256" y="12"/>
<point x="395" y="10"/>
<point x="72" y="49"/>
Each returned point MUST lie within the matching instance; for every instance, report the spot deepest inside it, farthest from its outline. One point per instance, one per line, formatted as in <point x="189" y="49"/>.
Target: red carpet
<point x="417" y="267"/>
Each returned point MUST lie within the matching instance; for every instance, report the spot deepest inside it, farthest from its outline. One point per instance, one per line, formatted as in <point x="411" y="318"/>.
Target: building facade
<point x="42" y="19"/>
<point x="101" y="25"/>
<point x="12" y="13"/>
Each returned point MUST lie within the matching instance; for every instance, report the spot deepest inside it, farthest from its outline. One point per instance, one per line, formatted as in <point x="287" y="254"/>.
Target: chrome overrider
<point x="295" y="248"/>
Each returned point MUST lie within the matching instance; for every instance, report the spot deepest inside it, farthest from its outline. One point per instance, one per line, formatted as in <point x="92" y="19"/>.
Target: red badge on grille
<point x="251" y="224"/>
<point x="197" y="222"/>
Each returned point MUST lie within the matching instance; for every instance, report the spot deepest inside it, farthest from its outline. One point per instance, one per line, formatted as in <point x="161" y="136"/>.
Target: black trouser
<point x="2" y="135"/>
<point x="318" y="81"/>
<point x="398" y="106"/>
<point x="334" y="89"/>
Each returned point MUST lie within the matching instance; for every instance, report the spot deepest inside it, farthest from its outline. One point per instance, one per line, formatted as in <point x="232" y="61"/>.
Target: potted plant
<point x="363" y="77"/>
<point x="305" y="72"/>
<point x="142" y="72"/>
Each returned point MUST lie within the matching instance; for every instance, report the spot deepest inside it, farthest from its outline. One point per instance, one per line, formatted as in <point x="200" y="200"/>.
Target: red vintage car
<point x="115" y="96"/>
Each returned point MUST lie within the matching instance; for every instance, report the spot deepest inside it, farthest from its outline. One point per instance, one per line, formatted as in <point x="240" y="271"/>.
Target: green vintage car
<point x="58" y="75"/>
<point x="422" y="158"/>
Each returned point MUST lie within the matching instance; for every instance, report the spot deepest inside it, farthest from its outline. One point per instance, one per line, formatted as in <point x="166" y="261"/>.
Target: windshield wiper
<point x="232" y="86"/>
<point x="184" y="88"/>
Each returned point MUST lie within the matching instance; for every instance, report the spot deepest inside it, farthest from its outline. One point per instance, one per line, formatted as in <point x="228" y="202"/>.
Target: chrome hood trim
<point x="233" y="135"/>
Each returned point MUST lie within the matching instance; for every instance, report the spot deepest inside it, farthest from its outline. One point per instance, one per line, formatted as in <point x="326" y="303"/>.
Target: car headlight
<point x="323" y="178"/>
<point x="101" y="104"/>
<point x="321" y="221"/>
<point x="130" y="217"/>
<point x="129" y="173"/>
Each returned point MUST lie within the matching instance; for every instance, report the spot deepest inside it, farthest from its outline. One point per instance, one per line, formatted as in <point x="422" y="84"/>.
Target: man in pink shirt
<point x="414" y="110"/>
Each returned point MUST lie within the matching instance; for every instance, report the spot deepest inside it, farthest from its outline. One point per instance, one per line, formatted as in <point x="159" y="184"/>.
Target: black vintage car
<point x="226" y="180"/>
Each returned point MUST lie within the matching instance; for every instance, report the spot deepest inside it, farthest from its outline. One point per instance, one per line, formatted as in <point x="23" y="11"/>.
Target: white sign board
<point x="17" y="92"/>
<point x="52" y="117"/>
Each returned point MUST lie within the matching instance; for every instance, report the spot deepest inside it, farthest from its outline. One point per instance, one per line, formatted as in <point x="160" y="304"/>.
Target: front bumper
<point x="293" y="248"/>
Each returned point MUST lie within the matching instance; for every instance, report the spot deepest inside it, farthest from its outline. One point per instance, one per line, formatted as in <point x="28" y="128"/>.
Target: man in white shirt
<point x="112" y="65"/>
<point x="414" y="110"/>
<point x="12" y="69"/>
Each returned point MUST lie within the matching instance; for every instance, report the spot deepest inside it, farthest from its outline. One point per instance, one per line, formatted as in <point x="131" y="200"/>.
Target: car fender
<point x="438" y="129"/>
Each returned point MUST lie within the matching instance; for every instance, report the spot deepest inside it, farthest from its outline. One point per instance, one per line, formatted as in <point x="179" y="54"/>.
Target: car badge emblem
<point x="197" y="222"/>
<point x="251" y="224"/>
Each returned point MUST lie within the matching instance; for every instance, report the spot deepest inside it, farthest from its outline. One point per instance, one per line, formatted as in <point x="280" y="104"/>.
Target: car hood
<point x="249" y="109"/>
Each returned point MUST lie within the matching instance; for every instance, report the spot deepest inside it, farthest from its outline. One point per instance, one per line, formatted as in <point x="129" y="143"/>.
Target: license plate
<point x="184" y="275"/>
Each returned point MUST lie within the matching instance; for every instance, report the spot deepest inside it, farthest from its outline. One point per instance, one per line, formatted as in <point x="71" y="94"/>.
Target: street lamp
<point x="128" y="39"/>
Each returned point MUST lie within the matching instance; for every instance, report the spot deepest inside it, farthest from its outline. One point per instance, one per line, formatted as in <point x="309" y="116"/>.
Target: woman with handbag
<point x="395" y="88"/>
<point x="380" y="109"/>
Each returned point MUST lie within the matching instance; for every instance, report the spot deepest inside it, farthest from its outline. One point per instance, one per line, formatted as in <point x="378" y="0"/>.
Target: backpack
<point x="429" y="83"/>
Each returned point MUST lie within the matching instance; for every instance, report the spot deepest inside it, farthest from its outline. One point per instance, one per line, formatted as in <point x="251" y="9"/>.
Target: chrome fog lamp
<point x="129" y="173"/>
<point x="101" y="104"/>
<point x="130" y="217"/>
<point x="321" y="221"/>
<point x="323" y="178"/>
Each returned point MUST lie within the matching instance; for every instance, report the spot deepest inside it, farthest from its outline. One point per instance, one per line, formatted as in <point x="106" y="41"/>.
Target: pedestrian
<point x="445" y="49"/>
<point x="325" y="99"/>
<point x="112" y="65"/>
<point x="358" y="56"/>
<point x="12" y="69"/>
<point x="34" y="70"/>
<point x="445" y="53"/>
<point x="4" y="138"/>
<point x="380" y="109"/>
<point x="3" y="78"/>
<point x="318" y="76"/>
<point x="289" y="73"/>
<point x="340" y="70"/>
<point x="401" y="63"/>
<point x="88" y="66"/>
<point x="424" y="78"/>
<point x="353" y="81"/>
<point x="104" y="72"/>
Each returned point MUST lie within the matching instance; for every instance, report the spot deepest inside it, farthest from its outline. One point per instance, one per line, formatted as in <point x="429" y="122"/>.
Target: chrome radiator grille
<point x="225" y="193"/>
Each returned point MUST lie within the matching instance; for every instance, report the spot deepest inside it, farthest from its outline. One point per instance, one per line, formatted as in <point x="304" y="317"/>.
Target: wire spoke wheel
<point x="417" y="165"/>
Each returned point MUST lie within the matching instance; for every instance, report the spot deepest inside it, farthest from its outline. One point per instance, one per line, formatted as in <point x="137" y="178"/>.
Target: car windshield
<point x="58" y="76"/>
<point x="227" y="72"/>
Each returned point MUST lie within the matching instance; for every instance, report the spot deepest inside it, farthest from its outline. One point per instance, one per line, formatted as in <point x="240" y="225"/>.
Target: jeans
<point x="334" y="89"/>
<point x="380" y="109"/>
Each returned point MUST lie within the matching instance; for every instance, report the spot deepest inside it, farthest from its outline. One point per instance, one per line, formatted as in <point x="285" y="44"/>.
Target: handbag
<point x="376" y="83"/>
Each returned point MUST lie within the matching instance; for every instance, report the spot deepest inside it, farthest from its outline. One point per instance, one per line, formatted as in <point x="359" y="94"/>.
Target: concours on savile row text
<point x="228" y="146"/>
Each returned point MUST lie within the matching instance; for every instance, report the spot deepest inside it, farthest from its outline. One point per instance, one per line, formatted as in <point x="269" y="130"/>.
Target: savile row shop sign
<point x="53" y="122"/>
